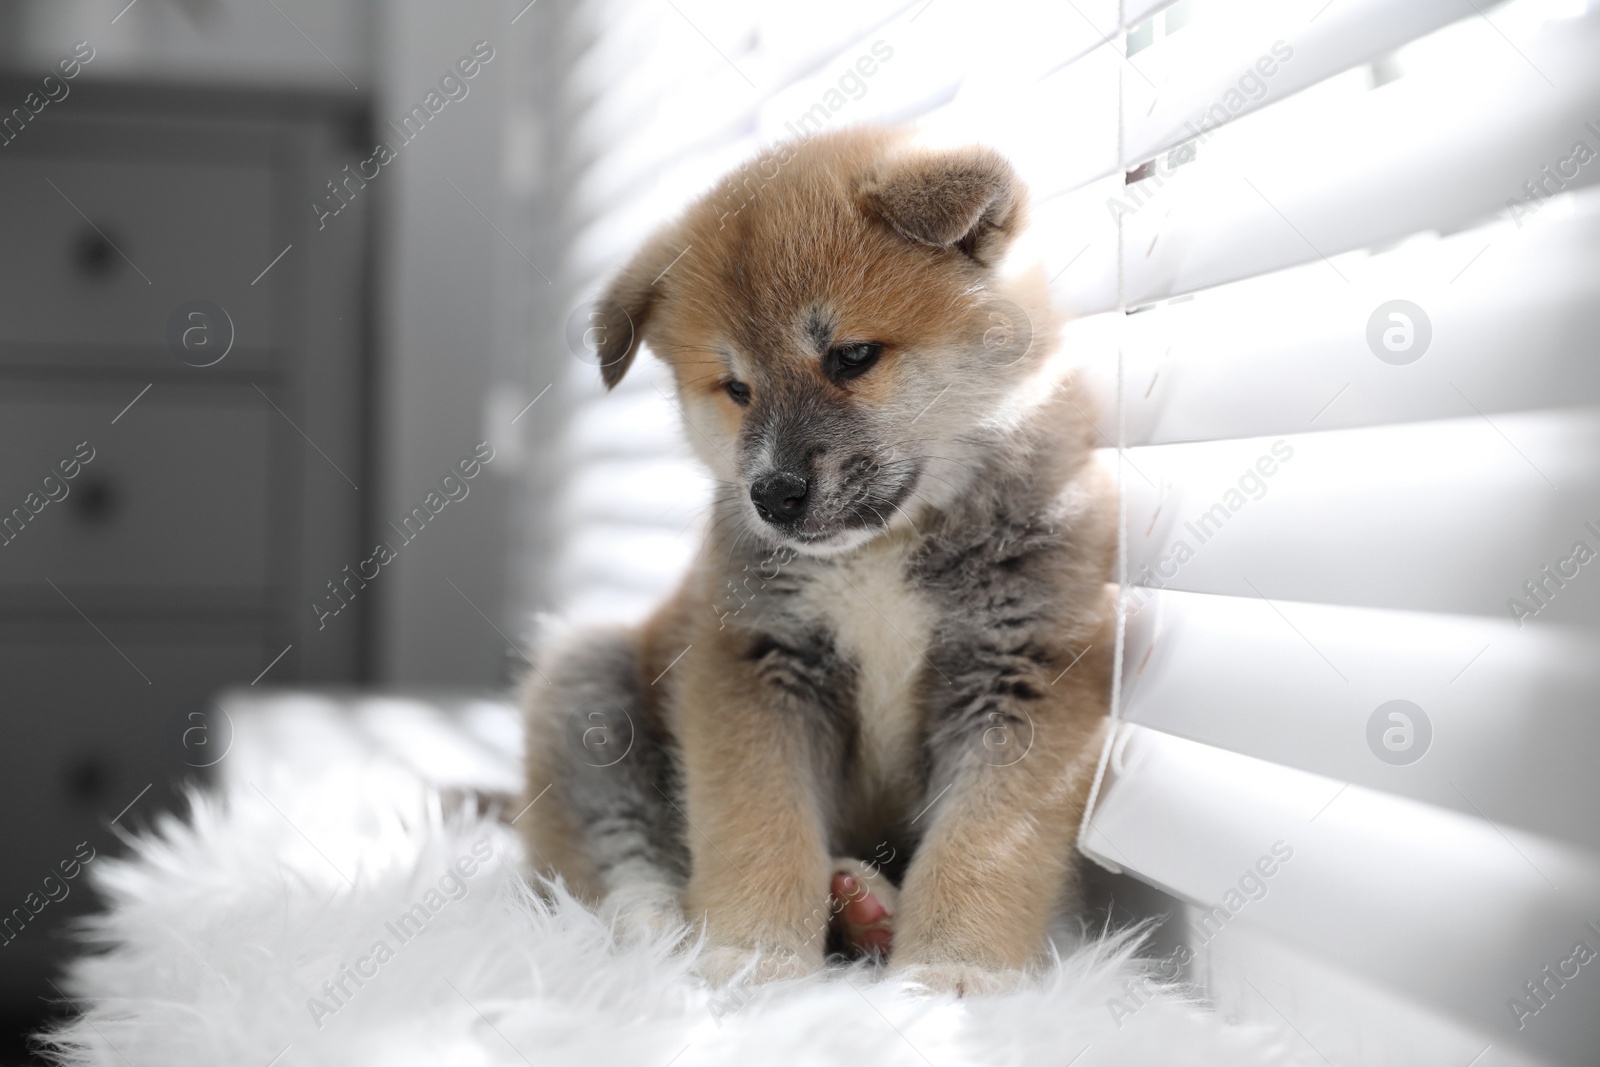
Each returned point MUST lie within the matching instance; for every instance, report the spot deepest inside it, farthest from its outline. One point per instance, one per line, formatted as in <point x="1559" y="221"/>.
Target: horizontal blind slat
<point x="1235" y="60"/>
<point x="1453" y="516"/>
<point x="1079" y="246"/>
<point x="1309" y="179"/>
<point x="1075" y="103"/>
<point x="1303" y="348"/>
<point x="1491" y="700"/>
<point x="1380" y="885"/>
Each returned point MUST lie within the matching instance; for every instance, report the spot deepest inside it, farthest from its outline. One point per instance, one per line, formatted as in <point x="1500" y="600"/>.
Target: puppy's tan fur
<point x="941" y="598"/>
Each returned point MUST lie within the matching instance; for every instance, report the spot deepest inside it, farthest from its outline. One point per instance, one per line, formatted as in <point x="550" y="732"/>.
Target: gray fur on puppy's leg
<point x="613" y="775"/>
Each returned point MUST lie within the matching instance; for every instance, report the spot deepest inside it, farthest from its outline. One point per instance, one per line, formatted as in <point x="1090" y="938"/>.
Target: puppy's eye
<point x="851" y="360"/>
<point x="739" y="391"/>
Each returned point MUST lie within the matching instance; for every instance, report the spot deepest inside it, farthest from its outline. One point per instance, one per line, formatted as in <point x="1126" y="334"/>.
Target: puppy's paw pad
<point x="962" y="979"/>
<point x="863" y="904"/>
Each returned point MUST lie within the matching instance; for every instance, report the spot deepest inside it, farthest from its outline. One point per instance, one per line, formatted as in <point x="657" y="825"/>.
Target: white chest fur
<point x="883" y="625"/>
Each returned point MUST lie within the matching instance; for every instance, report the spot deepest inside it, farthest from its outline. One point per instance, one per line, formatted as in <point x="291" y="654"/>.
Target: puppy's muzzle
<point x="781" y="498"/>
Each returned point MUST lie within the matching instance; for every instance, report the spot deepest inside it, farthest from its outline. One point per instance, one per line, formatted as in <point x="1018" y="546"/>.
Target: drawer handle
<point x="94" y="255"/>
<point x="86" y="778"/>
<point x="97" y="501"/>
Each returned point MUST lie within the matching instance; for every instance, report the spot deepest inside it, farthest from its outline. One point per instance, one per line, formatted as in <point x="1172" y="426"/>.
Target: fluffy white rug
<point x="297" y="923"/>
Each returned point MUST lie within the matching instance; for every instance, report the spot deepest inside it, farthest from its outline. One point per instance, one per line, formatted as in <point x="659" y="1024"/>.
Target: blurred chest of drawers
<point x="183" y="444"/>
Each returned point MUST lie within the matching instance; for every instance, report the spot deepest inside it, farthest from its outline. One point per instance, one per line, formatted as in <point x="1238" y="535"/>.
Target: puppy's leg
<point x="999" y="856"/>
<point x="601" y="781"/>
<point x="753" y="735"/>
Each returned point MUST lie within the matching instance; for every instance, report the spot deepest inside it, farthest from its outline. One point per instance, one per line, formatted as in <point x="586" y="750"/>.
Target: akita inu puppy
<point x="896" y="642"/>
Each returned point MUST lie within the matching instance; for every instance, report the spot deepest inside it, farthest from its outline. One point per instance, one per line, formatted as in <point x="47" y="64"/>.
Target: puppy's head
<point x="841" y="329"/>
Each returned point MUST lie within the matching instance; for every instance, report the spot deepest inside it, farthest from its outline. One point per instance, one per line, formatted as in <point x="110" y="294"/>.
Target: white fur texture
<point x="222" y="930"/>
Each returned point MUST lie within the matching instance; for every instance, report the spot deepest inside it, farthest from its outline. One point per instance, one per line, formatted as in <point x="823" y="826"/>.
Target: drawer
<point x="177" y="494"/>
<point x="196" y="231"/>
<point x="84" y="735"/>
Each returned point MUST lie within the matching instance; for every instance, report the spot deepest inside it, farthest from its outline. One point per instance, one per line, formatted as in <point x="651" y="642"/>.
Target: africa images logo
<point x="1399" y="332"/>
<point x="1399" y="732"/>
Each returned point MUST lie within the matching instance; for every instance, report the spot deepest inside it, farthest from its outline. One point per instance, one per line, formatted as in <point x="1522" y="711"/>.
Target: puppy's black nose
<point x="780" y="497"/>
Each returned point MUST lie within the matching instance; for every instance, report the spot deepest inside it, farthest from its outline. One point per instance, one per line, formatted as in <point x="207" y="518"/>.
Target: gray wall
<point x="451" y="275"/>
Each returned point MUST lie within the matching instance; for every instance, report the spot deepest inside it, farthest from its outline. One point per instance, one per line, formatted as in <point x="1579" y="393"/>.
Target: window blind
<point x="1355" y="256"/>
<point x="1333" y="268"/>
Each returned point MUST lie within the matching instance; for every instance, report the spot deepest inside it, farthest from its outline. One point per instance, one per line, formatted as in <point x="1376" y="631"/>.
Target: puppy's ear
<point x="965" y="198"/>
<point x="624" y="308"/>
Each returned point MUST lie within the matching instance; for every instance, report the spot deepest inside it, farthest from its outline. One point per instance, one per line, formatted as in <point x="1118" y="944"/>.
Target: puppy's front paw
<point x="721" y="963"/>
<point x="646" y="914"/>
<point x="962" y="979"/>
